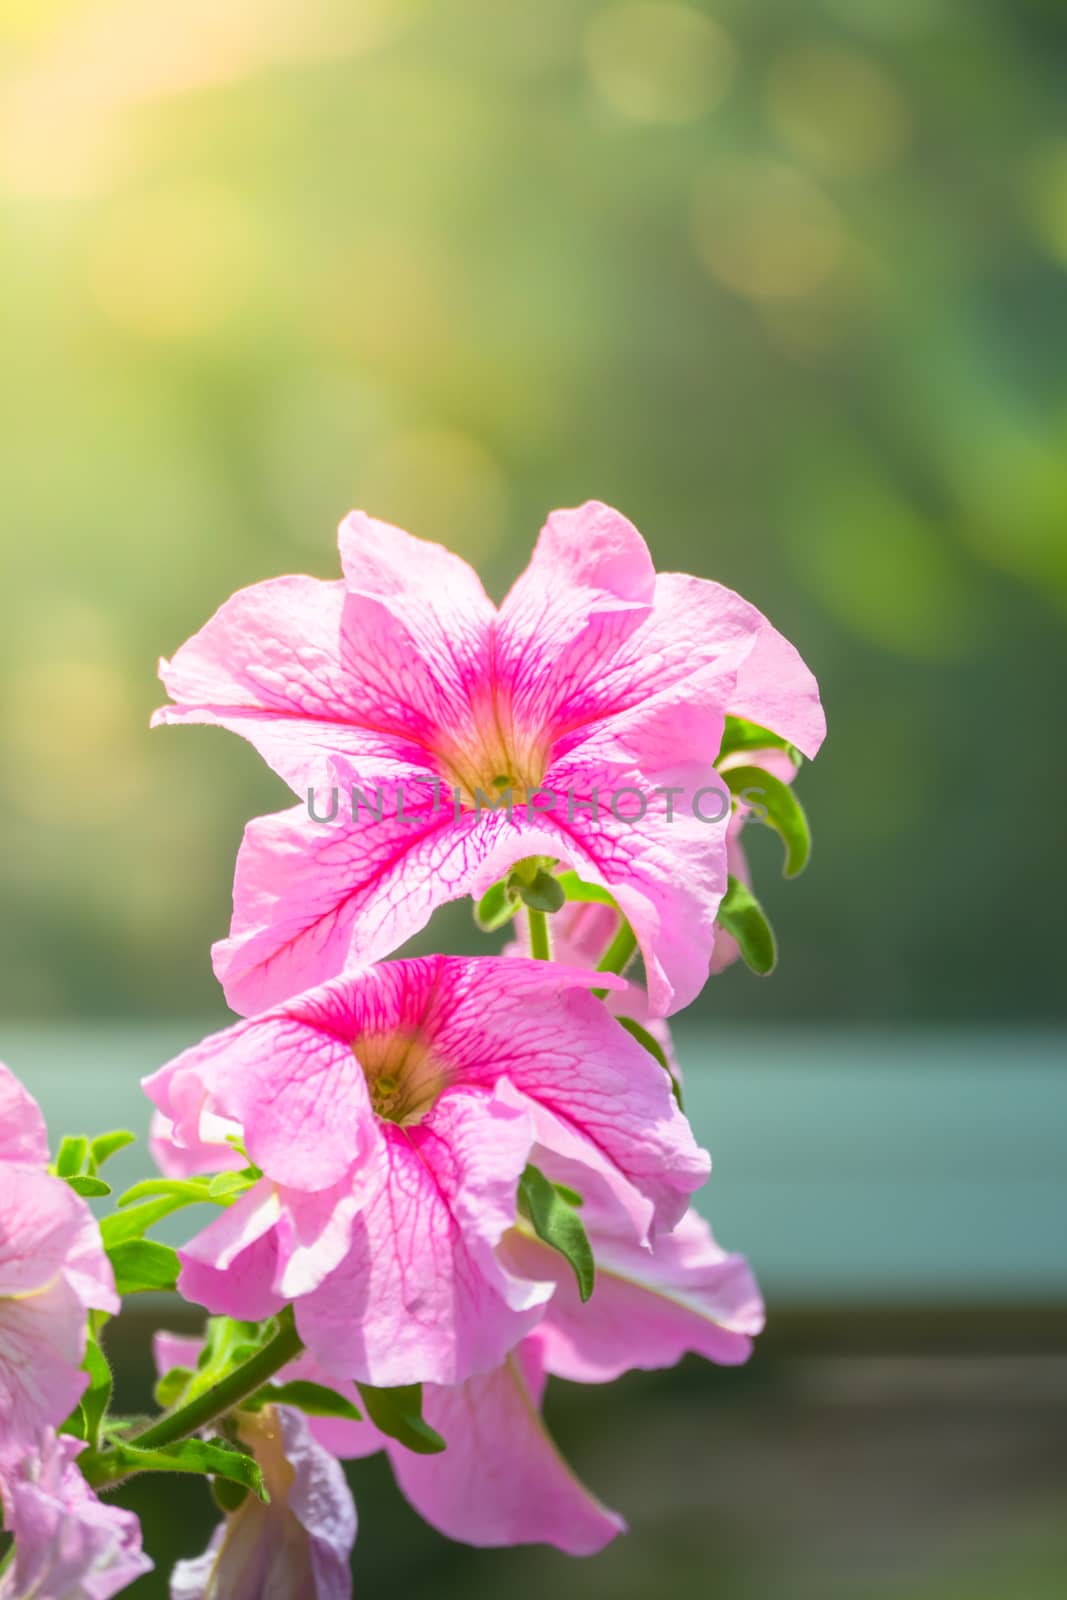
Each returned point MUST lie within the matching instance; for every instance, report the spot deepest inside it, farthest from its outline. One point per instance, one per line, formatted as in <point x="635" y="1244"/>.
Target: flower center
<point x="403" y="1075"/>
<point x="485" y="764"/>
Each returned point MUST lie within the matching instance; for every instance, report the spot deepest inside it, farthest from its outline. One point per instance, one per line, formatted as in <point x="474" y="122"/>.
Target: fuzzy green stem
<point x="540" y="948"/>
<point x="222" y="1397"/>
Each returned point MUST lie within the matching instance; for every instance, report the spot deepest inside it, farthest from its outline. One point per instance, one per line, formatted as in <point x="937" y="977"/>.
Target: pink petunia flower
<point x="52" y="1270"/>
<point x="594" y="677"/>
<point x="68" y="1544"/>
<point x="501" y="1479"/>
<point x="391" y="1113"/>
<point x="298" y="1544"/>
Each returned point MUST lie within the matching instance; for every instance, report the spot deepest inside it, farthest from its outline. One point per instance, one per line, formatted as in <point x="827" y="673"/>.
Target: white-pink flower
<point x="594" y="676"/>
<point x="392" y="1113"/>
<point x="296" y="1545"/>
<point x="52" y="1271"/>
<point x="68" y="1544"/>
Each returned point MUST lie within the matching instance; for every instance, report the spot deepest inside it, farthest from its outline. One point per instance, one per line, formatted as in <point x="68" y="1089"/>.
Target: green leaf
<point x="106" y="1145"/>
<point x="135" y="1221"/>
<point x="742" y="916"/>
<point x="228" y="1496"/>
<point x="496" y="907"/>
<point x="314" y="1399"/>
<point x="188" y="1190"/>
<point x="97" y="1397"/>
<point x="398" y="1414"/>
<point x="215" y="1457"/>
<point x="171" y="1386"/>
<point x="739" y="735"/>
<point x="225" y="1187"/>
<point x="784" y="813"/>
<point x="91" y="1188"/>
<point x="542" y="893"/>
<point x="556" y="1222"/>
<point x="588" y="893"/>
<point x="71" y="1156"/>
<point x="143" y="1264"/>
<point x="655" y="1049"/>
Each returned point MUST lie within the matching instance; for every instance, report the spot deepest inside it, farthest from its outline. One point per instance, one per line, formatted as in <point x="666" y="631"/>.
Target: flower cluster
<point x="438" y="1180"/>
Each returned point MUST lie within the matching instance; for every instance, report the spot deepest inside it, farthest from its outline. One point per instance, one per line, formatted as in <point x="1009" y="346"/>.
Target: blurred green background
<point x="784" y="280"/>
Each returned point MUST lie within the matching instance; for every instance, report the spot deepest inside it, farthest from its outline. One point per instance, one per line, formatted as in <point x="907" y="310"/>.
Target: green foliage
<point x="314" y="1399"/>
<point x="574" y="888"/>
<point x="551" y="1212"/>
<point x="217" y="1457"/>
<point x="89" y="1188"/>
<point x="784" y="813"/>
<point x="142" y="1264"/>
<point x="398" y="1414"/>
<point x="171" y="1387"/>
<point x="79" y="1159"/>
<point x="496" y="907"/>
<point x="106" y="1145"/>
<point x="72" y="1155"/>
<point x="228" y="1344"/>
<point x="743" y="917"/>
<point x="88" y="1416"/>
<point x="739" y="735"/>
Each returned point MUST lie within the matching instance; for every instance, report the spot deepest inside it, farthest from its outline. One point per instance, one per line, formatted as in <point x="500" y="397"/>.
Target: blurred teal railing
<point x="853" y="1167"/>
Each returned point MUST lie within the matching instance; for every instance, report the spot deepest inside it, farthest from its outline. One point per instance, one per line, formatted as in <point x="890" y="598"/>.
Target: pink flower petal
<point x="42" y="1342"/>
<point x="589" y="585"/>
<point x="274" y="664"/>
<point x="232" y="1266"/>
<point x="23" y="1135"/>
<point x="649" y="1308"/>
<point x="68" y="1544"/>
<point x="575" y="1061"/>
<point x="418" y="631"/>
<point x="501" y="1481"/>
<point x="421" y="1296"/>
<point x="296" y="1545"/>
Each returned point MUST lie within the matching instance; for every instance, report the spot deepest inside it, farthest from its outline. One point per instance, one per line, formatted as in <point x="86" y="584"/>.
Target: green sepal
<point x="575" y="888"/>
<point x="89" y="1187"/>
<point x="106" y="1145"/>
<point x="543" y="892"/>
<point x="142" y="1264"/>
<point x="556" y="1222"/>
<point x="314" y="1399"/>
<point x="739" y="735"/>
<point x="398" y="1414"/>
<point x="742" y="916"/>
<point x="214" y="1457"/>
<point x="496" y="907"/>
<point x="648" y="1042"/>
<point x="785" y="814"/>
